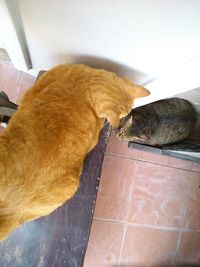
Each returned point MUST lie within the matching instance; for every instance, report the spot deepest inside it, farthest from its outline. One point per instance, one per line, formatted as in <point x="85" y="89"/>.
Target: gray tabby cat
<point x="163" y="122"/>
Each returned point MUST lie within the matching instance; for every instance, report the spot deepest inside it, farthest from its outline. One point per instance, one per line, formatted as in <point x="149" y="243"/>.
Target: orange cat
<point x="57" y="124"/>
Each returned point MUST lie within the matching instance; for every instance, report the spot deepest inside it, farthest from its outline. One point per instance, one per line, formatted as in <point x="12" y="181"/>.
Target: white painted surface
<point x="12" y="35"/>
<point x="174" y="82"/>
<point x="150" y="36"/>
<point x="9" y="36"/>
<point x="2" y="45"/>
<point x="139" y="39"/>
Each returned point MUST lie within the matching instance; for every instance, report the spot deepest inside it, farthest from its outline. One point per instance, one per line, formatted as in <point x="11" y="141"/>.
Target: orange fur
<point x="57" y="124"/>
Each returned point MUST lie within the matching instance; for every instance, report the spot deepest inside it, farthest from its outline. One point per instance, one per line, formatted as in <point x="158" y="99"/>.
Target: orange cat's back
<point x="57" y="124"/>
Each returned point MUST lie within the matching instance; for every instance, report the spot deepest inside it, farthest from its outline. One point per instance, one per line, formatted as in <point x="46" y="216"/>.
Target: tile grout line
<point x="178" y="168"/>
<point x="174" y="264"/>
<point x="18" y="84"/>
<point x="131" y="187"/>
<point x="156" y="227"/>
<point x="108" y="220"/>
<point x="126" y="225"/>
<point x="190" y="230"/>
<point x="138" y="224"/>
<point x="122" y="157"/>
<point x="122" y="245"/>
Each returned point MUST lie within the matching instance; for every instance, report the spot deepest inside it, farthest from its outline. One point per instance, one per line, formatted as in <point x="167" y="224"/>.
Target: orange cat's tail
<point x="8" y="221"/>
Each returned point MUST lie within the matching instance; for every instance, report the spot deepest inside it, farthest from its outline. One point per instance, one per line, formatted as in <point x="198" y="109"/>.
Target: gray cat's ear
<point x="130" y="120"/>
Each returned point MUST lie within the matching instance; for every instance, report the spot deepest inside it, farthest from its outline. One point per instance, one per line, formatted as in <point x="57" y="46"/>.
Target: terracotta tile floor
<point x="148" y="206"/>
<point x="154" y="202"/>
<point x="13" y="81"/>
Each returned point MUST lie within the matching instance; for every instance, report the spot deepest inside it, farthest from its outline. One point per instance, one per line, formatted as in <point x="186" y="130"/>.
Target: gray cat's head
<point x="133" y="127"/>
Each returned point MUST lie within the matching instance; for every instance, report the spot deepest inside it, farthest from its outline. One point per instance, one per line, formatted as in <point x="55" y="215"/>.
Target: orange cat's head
<point x="115" y="97"/>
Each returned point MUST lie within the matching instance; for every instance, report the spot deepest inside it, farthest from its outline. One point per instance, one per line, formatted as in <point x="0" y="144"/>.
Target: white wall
<point x="140" y="39"/>
<point x="2" y="45"/>
<point x="150" y="36"/>
<point x="174" y="81"/>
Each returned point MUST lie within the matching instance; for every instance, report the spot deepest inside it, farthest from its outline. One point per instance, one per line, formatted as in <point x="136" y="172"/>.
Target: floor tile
<point x="192" y="219"/>
<point x="104" y="244"/>
<point x="165" y="160"/>
<point x="179" y="163"/>
<point x="153" y="157"/>
<point x="9" y="79"/>
<point x="115" y="186"/>
<point x="26" y="81"/>
<point x="196" y="166"/>
<point x="120" y="148"/>
<point x="189" y="251"/>
<point x="146" y="247"/>
<point x="158" y="195"/>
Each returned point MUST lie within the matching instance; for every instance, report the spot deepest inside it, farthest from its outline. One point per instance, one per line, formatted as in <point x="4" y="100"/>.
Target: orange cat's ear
<point x="139" y="91"/>
<point x="112" y="117"/>
<point x="136" y="90"/>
